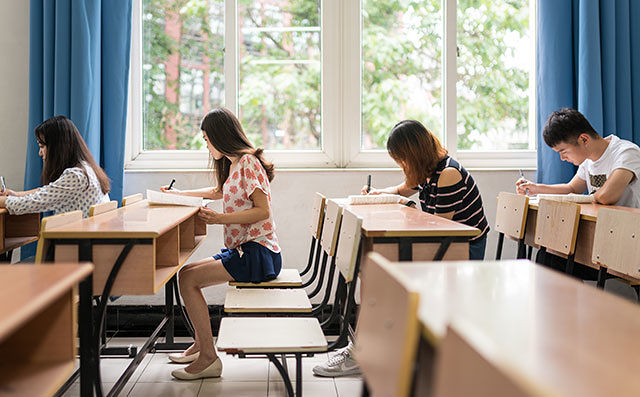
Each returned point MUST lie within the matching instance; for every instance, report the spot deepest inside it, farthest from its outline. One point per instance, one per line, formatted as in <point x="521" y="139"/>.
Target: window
<point x="320" y="83"/>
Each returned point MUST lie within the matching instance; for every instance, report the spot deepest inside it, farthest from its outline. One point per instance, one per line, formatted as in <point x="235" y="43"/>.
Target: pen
<point x="368" y="183"/>
<point x="4" y="187"/>
<point x="171" y="184"/>
<point x="522" y="176"/>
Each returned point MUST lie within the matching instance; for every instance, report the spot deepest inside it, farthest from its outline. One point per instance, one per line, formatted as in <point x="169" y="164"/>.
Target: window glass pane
<point x="279" y="65"/>
<point x="183" y="58"/>
<point x="401" y="66"/>
<point x="495" y="56"/>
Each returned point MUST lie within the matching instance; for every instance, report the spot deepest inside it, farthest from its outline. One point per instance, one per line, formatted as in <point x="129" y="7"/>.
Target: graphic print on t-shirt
<point x="597" y="181"/>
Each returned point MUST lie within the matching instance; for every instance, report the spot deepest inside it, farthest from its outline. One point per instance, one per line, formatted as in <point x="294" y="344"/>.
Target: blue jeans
<point x="477" y="247"/>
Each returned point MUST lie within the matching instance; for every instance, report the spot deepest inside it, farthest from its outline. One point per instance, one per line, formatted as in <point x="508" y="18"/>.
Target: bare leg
<point x="195" y="347"/>
<point x="192" y="280"/>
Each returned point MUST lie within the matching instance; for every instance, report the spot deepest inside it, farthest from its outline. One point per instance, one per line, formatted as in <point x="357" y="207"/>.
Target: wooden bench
<point x="388" y="329"/>
<point x="557" y="229"/>
<point x="102" y="208"/>
<point x="298" y="336"/>
<point x="616" y="245"/>
<point x="511" y="218"/>
<point x="134" y="198"/>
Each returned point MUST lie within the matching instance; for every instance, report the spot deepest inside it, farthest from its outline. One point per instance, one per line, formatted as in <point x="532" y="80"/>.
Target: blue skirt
<point x="256" y="264"/>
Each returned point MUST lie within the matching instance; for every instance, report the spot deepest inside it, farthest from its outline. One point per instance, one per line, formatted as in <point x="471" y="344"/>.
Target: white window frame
<point x="340" y="100"/>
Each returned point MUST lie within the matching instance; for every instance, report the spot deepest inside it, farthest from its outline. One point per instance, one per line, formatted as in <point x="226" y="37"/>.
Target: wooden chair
<point x="274" y="336"/>
<point x="557" y="229"/>
<point x="616" y="245"/>
<point x="511" y="217"/>
<point x="388" y="329"/>
<point x="102" y="208"/>
<point x="134" y="198"/>
<point x="317" y="215"/>
<point x="269" y="300"/>
<point x="51" y="222"/>
<point x="462" y="371"/>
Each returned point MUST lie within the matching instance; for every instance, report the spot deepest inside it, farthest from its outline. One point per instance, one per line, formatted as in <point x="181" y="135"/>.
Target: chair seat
<point x="271" y="335"/>
<point x="286" y="279"/>
<point x="256" y="300"/>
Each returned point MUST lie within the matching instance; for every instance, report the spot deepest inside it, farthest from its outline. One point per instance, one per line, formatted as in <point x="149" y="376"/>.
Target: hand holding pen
<point x="168" y="189"/>
<point x="524" y="186"/>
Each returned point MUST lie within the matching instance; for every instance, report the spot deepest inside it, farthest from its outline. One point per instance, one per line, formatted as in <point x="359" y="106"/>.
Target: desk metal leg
<point x="88" y="363"/>
<point x="170" y="344"/>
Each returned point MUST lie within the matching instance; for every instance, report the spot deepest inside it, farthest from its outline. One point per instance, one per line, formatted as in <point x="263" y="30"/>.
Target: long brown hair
<point x="226" y="134"/>
<point x="66" y="149"/>
<point x="418" y="149"/>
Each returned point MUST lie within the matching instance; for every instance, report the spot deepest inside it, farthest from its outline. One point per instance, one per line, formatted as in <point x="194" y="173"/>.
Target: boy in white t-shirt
<point x="609" y="167"/>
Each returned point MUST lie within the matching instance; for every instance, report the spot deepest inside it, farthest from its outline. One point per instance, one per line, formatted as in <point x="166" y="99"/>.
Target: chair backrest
<point x="461" y="370"/>
<point x="557" y="225"/>
<point x="317" y="215"/>
<point x="102" y="208"/>
<point x="387" y="327"/>
<point x="330" y="227"/>
<point x="616" y="241"/>
<point x="51" y="222"/>
<point x="511" y="214"/>
<point x="348" y="244"/>
<point x="131" y="199"/>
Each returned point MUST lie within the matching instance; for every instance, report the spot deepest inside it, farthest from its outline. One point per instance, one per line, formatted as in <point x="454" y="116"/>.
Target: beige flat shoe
<point x="180" y="358"/>
<point x="212" y="371"/>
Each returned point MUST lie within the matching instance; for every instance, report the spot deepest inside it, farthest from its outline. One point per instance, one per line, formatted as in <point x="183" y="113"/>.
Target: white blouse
<point x="70" y="192"/>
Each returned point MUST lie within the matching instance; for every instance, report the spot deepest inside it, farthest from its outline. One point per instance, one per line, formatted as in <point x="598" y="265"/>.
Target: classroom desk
<point x="136" y="250"/>
<point x="37" y="333"/>
<point x="552" y="333"/>
<point x="586" y="231"/>
<point x="16" y="231"/>
<point x="402" y="233"/>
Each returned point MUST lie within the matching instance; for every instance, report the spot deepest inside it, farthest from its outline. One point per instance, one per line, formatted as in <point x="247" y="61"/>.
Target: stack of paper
<point x="159" y="198"/>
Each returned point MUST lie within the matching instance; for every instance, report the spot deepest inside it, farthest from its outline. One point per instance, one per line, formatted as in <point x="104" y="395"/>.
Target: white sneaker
<point x="340" y="364"/>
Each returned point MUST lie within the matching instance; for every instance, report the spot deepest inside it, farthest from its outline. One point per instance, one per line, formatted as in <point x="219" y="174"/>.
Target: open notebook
<point x="572" y="197"/>
<point x="378" y="199"/>
<point x="159" y="198"/>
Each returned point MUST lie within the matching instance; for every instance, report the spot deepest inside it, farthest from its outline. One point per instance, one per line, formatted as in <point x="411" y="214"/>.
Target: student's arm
<point x="450" y="179"/>
<point x="210" y="193"/>
<point x="10" y="192"/>
<point x="259" y="212"/>
<point x="576" y="185"/>
<point x="48" y="197"/>
<point x="613" y="188"/>
<point x="401" y="189"/>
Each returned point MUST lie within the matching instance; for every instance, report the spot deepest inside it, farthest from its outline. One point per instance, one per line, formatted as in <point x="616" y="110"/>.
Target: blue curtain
<point x="79" y="67"/>
<point x="588" y="59"/>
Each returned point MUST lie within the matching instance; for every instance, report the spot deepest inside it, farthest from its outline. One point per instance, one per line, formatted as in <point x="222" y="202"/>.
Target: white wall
<point x="14" y="89"/>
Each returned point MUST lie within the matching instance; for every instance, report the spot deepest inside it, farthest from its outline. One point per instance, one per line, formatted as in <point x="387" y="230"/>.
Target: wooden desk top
<point x="546" y="328"/>
<point x="589" y="211"/>
<point x="27" y="289"/>
<point x="397" y="220"/>
<point x="139" y="220"/>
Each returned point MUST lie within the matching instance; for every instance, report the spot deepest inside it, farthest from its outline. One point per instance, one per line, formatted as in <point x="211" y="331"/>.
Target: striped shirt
<point x="463" y="198"/>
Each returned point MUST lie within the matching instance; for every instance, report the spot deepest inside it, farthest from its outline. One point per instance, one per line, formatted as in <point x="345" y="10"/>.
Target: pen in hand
<point x="2" y="184"/>
<point x="522" y="176"/>
<point x="171" y="184"/>
<point x="368" y="183"/>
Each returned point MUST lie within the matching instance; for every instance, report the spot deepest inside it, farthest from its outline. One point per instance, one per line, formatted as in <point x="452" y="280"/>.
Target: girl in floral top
<point x="71" y="178"/>
<point x="252" y="252"/>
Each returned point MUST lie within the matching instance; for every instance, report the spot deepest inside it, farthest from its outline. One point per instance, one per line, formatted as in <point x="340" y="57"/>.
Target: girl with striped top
<point x="71" y="178"/>
<point x="445" y="187"/>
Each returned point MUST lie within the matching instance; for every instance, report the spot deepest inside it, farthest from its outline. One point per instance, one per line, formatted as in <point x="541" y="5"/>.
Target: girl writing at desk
<point x="72" y="180"/>
<point x="252" y="252"/>
<point x="445" y="188"/>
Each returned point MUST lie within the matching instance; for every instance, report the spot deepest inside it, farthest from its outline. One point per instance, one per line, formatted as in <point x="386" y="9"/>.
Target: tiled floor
<point x="247" y="377"/>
